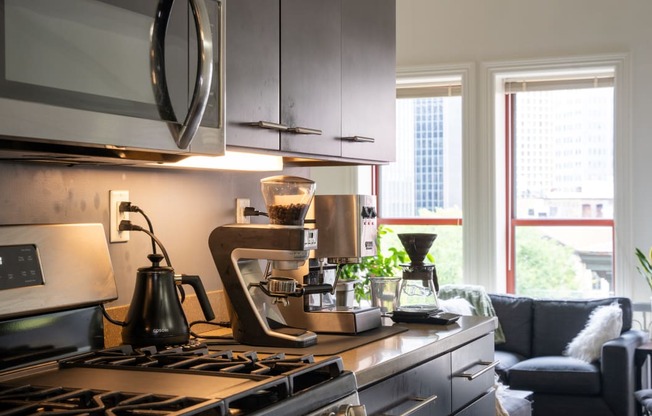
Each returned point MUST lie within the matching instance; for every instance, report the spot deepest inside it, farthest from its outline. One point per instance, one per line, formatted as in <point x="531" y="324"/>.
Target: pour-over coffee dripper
<point x="419" y="285"/>
<point x="417" y="246"/>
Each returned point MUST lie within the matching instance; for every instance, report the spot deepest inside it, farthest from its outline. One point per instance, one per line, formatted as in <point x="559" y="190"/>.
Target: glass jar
<point x="287" y="198"/>
<point x="418" y="291"/>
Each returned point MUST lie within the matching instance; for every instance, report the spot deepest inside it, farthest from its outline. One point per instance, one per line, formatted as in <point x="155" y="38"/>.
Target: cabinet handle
<point x="304" y="130"/>
<point x="359" y="139"/>
<point x="471" y="376"/>
<point x="269" y="125"/>
<point x="422" y="402"/>
<point x="184" y="133"/>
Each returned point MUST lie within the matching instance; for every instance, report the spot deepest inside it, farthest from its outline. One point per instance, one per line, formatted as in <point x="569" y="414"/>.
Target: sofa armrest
<point x="618" y="373"/>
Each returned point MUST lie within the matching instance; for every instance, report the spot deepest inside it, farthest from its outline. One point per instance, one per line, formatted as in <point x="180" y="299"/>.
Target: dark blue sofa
<point x="538" y="330"/>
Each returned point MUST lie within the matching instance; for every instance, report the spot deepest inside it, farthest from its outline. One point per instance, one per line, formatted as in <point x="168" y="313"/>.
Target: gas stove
<point x="178" y="380"/>
<point x="52" y="359"/>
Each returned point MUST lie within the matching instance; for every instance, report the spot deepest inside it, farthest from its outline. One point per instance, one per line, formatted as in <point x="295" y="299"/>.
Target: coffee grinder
<point x="347" y="233"/>
<point x="419" y="286"/>
<point x="253" y="295"/>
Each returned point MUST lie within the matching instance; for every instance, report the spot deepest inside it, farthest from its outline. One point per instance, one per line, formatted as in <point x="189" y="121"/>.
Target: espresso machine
<point x="347" y="227"/>
<point x="273" y="298"/>
<point x="255" y="294"/>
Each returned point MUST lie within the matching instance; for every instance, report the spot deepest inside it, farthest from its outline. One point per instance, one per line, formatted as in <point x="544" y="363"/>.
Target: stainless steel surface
<point x="360" y="139"/>
<point x="304" y="130"/>
<point x="334" y="319"/>
<point x="270" y="125"/>
<point x="383" y="358"/>
<point x="38" y="131"/>
<point x="183" y="133"/>
<point x="79" y="250"/>
<point x="191" y="385"/>
<point x="347" y="226"/>
<point x="347" y="232"/>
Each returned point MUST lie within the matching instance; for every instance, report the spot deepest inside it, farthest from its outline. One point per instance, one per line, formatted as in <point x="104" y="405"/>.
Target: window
<point x="422" y="190"/>
<point x="560" y="184"/>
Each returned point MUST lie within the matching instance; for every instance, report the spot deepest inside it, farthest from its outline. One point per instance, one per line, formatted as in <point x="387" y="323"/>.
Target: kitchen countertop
<point x="377" y="360"/>
<point x="380" y="359"/>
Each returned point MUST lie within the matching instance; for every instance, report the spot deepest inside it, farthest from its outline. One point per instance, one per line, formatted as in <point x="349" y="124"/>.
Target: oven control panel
<point x="52" y="267"/>
<point x="19" y="267"/>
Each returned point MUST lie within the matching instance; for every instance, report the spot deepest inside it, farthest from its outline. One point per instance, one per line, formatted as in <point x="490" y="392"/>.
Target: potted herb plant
<point x="386" y="263"/>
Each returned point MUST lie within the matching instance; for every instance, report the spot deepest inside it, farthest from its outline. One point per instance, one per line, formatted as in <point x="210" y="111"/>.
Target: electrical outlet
<point x="240" y="205"/>
<point x="115" y="216"/>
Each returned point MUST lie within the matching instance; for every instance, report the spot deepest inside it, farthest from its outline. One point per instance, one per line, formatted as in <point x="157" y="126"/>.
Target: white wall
<point x="477" y="32"/>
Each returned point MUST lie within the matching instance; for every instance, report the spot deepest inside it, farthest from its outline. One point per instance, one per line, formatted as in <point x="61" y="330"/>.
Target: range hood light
<point x="230" y="161"/>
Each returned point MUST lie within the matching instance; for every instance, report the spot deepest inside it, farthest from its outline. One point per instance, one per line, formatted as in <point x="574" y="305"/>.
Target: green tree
<point x="544" y="267"/>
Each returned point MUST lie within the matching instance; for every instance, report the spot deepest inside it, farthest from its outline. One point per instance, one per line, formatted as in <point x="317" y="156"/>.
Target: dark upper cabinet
<point x="311" y="76"/>
<point x="252" y="72"/>
<point x="369" y="79"/>
<point x="304" y="74"/>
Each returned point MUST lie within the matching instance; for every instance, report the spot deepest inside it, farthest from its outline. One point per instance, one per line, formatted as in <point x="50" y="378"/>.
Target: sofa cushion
<point x="556" y="375"/>
<point x="550" y="337"/>
<point x="506" y="360"/>
<point x="515" y="316"/>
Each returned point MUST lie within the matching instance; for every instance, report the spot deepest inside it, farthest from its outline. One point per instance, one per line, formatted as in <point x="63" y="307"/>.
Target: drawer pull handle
<point x="304" y="130"/>
<point x="472" y="376"/>
<point x="422" y="402"/>
<point x="360" y="139"/>
<point x="269" y="125"/>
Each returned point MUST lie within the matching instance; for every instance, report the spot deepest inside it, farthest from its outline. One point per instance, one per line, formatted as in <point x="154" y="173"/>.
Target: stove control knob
<point x="351" y="410"/>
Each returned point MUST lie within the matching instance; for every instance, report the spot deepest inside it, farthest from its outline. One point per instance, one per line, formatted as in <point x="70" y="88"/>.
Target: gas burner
<point x="59" y="401"/>
<point x="195" y="358"/>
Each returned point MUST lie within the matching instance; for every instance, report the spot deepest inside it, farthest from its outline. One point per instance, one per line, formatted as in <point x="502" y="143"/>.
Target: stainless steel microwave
<point x="131" y="79"/>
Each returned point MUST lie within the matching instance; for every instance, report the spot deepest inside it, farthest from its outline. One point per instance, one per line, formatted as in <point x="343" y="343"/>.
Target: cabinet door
<point x="310" y="75"/>
<point x="252" y="72"/>
<point x="485" y="405"/>
<point x="404" y="392"/>
<point x="472" y="370"/>
<point x="369" y="79"/>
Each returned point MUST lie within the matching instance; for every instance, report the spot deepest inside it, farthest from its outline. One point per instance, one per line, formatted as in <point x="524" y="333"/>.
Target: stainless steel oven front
<point x="132" y="74"/>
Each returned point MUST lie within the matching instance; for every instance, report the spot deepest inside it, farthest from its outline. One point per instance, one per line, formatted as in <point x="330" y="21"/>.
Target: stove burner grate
<point x="194" y="358"/>
<point x="58" y="401"/>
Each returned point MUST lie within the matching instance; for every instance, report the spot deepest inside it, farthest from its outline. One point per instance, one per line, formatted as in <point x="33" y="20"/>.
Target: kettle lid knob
<point x="155" y="258"/>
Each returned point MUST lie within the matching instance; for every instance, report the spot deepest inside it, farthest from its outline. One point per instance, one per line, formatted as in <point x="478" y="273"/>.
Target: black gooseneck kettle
<point x="155" y="316"/>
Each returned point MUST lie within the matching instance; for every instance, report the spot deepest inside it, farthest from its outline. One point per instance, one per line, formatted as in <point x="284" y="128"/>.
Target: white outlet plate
<point x="240" y="205"/>
<point x="115" y="216"/>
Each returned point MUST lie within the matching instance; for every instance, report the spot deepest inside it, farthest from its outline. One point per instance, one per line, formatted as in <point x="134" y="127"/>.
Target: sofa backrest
<point x="540" y="327"/>
<point x="556" y="322"/>
<point x="515" y="316"/>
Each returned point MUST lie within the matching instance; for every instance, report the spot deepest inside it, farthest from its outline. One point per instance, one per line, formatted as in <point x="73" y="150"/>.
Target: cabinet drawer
<point x="411" y="388"/>
<point x="472" y="371"/>
<point x="485" y="405"/>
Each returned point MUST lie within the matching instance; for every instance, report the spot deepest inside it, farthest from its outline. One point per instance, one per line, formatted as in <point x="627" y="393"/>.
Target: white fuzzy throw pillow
<point x="604" y="324"/>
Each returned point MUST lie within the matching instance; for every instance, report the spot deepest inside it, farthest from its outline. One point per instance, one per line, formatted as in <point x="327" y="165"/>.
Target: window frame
<point x="493" y="76"/>
<point x="465" y="74"/>
<point x="511" y="218"/>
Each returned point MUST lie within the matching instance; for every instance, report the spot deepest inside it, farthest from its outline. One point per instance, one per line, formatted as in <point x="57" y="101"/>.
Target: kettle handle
<point x="195" y="282"/>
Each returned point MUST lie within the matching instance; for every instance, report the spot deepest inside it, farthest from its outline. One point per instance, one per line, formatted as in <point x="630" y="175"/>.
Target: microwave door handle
<point x="204" y="74"/>
<point x="182" y="133"/>
<point x="157" y="62"/>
